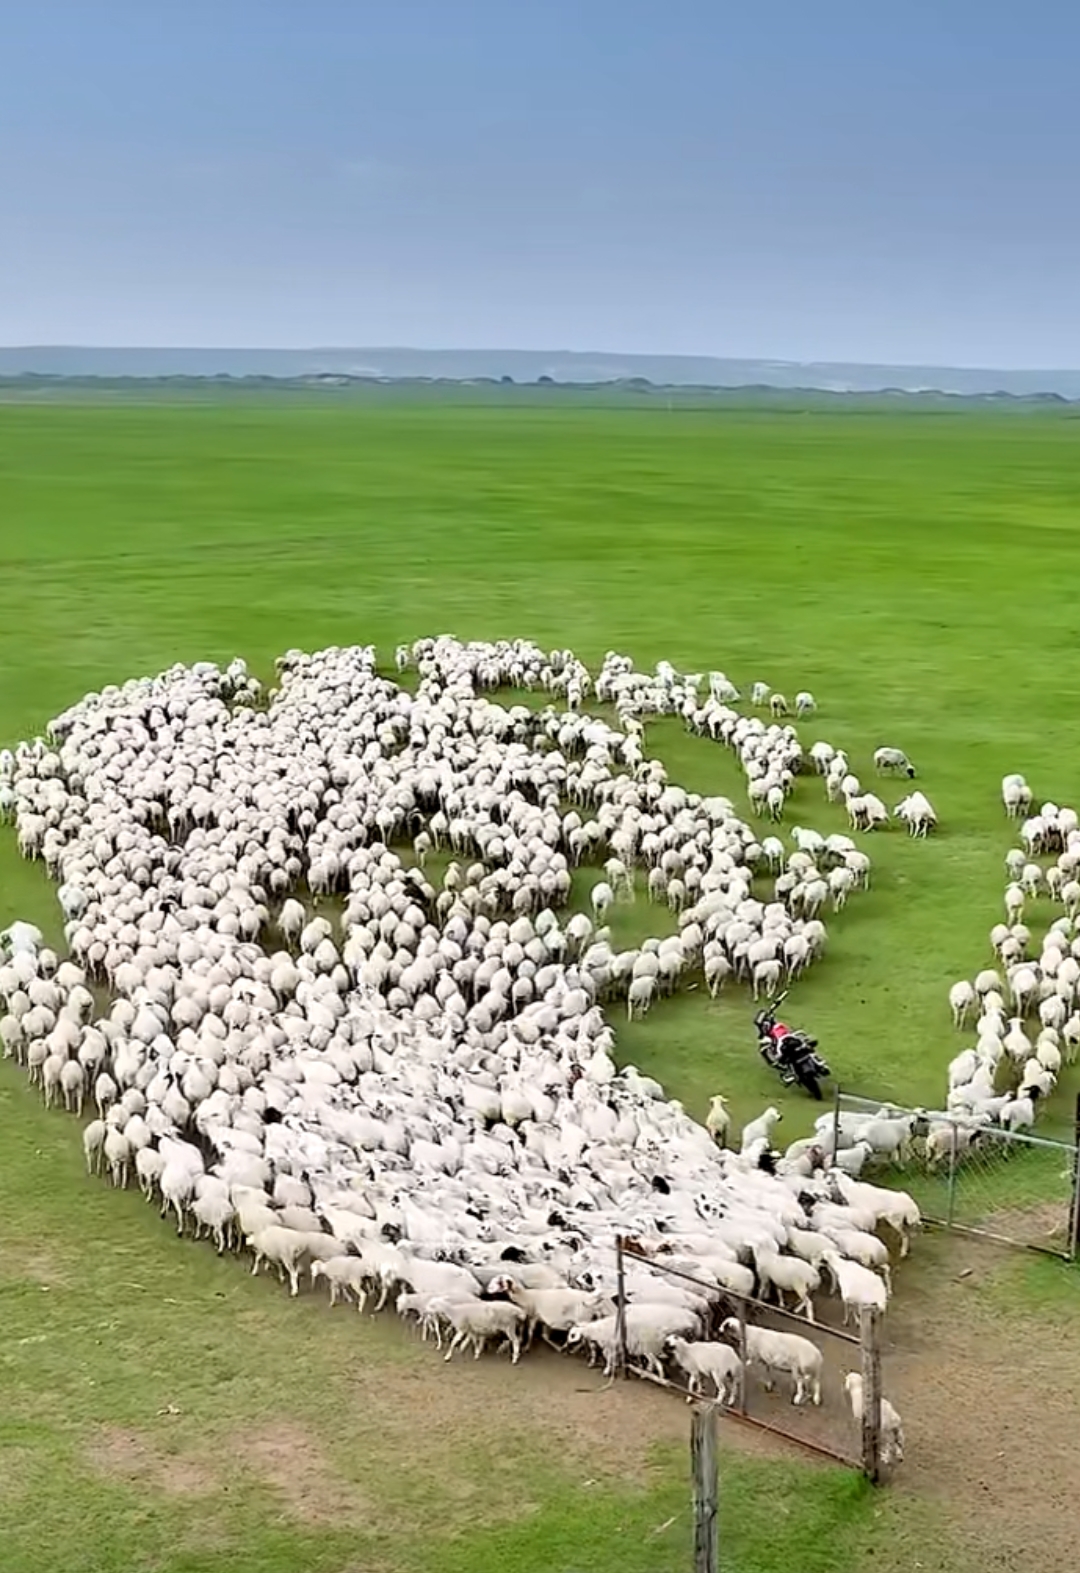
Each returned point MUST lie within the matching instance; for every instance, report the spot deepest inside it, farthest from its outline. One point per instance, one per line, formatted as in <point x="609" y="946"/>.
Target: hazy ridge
<point x="529" y="366"/>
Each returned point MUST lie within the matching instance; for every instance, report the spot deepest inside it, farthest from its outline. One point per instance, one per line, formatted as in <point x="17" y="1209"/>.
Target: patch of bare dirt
<point x="125" y="1454"/>
<point x="31" y="1264"/>
<point x="289" y="1459"/>
<point x="555" y="1406"/>
<point x="988" y="1396"/>
<point x="1043" y="1224"/>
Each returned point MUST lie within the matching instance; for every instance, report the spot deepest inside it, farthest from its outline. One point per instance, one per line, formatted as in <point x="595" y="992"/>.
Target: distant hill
<point x="530" y="366"/>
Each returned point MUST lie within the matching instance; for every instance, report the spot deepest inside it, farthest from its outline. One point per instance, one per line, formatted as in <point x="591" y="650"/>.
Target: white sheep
<point x="857" y="1286"/>
<point x="718" y="1120"/>
<point x="713" y="1362"/>
<point x="478" y="1322"/>
<point x="786" y="1353"/>
<point x="762" y="1127"/>
<point x="892" y="760"/>
<point x="283" y="1249"/>
<point x="892" y="1431"/>
<point x="961" y="1001"/>
<point x="787" y="1275"/>
<point x="345" y="1275"/>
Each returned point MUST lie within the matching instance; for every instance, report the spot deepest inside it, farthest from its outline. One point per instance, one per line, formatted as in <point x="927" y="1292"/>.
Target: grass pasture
<point x="160" y="1412"/>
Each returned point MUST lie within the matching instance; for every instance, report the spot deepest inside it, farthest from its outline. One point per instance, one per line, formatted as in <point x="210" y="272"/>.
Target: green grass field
<point x="914" y="571"/>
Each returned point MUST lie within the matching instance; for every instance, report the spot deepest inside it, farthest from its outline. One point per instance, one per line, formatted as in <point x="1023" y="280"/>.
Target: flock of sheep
<point x="1027" y="1009"/>
<point x="419" y="1100"/>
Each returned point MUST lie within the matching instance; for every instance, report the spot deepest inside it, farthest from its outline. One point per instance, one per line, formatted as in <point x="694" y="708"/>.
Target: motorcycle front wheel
<point x="812" y="1085"/>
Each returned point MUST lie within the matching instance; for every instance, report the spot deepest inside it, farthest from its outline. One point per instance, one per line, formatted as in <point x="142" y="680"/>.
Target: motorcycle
<point x="789" y="1051"/>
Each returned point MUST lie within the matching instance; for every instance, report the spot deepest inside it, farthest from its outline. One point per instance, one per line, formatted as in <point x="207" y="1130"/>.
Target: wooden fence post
<point x="1074" y="1199"/>
<point x="871" y="1375"/>
<point x="742" y="1356"/>
<point x="620" y="1308"/>
<point x="706" y="1489"/>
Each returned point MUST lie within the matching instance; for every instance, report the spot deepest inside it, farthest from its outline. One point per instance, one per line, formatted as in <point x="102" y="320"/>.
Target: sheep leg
<point x="458" y="1339"/>
<point x="361" y="1300"/>
<point x="179" y="1216"/>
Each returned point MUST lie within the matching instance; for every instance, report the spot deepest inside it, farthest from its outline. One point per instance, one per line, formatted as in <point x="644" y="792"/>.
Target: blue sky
<point x="867" y="181"/>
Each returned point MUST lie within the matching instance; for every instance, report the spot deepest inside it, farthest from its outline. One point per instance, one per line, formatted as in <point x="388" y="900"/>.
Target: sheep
<point x="893" y="760"/>
<point x="896" y="1209"/>
<point x="344" y="1275"/>
<point x="718" y="1120"/>
<point x="856" y="1285"/>
<point x="961" y="1001"/>
<point x="433" y="1074"/>
<point x="282" y="1248"/>
<point x="892" y="1432"/>
<point x="763" y="1126"/>
<point x="787" y="1353"/>
<point x="549" y="1310"/>
<point x="713" y="1362"/>
<point x="787" y="1274"/>
<point x="1016" y="795"/>
<point x="477" y="1322"/>
<point x="865" y="1249"/>
<point x="918" y="814"/>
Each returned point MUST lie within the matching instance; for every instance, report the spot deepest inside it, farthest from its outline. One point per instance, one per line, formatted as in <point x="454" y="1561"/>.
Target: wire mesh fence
<point x="810" y="1408"/>
<point x="1011" y="1186"/>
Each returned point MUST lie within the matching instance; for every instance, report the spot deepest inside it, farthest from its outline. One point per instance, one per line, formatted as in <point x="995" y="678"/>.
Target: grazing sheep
<point x="892" y="760"/>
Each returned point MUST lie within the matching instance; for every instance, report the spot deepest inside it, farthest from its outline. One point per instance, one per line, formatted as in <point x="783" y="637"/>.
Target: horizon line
<point x="458" y="349"/>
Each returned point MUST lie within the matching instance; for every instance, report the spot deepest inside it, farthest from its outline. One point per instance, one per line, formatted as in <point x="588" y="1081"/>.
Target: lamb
<point x="788" y="1353"/>
<point x="892" y="1432"/>
<point x="701" y="1362"/>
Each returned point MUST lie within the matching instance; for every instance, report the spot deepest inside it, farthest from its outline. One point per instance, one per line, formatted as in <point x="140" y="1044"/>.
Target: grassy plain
<point x="916" y="572"/>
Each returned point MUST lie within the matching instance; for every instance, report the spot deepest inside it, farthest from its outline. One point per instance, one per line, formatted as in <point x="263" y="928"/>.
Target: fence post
<point x="871" y="1375"/>
<point x="835" y="1125"/>
<point x="620" y="1309"/>
<point x="742" y="1356"/>
<point x="950" y="1205"/>
<point x="706" y="1489"/>
<point x="1074" y="1210"/>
